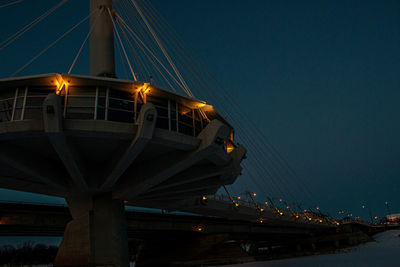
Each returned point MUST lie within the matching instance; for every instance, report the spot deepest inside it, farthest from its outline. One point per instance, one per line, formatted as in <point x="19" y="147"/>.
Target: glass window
<point x="81" y="91"/>
<point x="120" y="115"/>
<point x="33" y="113"/>
<point x="121" y="104"/>
<point x="6" y="107"/>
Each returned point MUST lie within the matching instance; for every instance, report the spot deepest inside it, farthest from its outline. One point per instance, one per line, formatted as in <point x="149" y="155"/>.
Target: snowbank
<point x="384" y="252"/>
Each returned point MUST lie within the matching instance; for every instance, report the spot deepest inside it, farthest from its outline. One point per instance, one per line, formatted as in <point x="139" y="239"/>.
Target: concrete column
<point x="101" y="39"/>
<point x="97" y="234"/>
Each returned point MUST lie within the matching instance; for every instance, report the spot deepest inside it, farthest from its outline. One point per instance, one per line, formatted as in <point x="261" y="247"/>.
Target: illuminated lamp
<point x="61" y="84"/>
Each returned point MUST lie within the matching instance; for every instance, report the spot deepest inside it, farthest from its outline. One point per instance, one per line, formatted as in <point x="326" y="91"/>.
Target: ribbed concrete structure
<point x="101" y="141"/>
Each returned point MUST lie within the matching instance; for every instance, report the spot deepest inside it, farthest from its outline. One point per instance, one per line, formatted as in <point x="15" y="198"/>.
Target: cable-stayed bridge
<point x="103" y="142"/>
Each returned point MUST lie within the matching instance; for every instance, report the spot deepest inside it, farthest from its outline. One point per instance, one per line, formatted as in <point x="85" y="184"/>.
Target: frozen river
<point x="385" y="252"/>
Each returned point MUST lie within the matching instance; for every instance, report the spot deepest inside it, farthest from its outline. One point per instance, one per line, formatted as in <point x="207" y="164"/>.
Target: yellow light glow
<point x="200" y="105"/>
<point x="238" y="197"/>
<point x="309" y="219"/>
<point x="320" y="221"/>
<point x="262" y="209"/>
<point x="145" y="88"/>
<point x="280" y="213"/>
<point x="61" y="84"/>
<point x="297" y="216"/>
<point x="204" y="197"/>
<point x="198" y="228"/>
<point x="236" y="204"/>
<point x="229" y="147"/>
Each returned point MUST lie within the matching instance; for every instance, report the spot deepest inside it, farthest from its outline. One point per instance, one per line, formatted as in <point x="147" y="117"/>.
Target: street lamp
<point x="369" y="212"/>
<point x="387" y="208"/>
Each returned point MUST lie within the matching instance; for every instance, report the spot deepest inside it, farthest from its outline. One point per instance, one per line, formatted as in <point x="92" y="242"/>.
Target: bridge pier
<point x="97" y="235"/>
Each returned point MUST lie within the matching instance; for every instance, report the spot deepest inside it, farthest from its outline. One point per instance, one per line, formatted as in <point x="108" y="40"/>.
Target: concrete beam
<point x="52" y="120"/>
<point x="146" y="125"/>
<point x="194" y="174"/>
<point x="38" y="187"/>
<point x="212" y="138"/>
<point x="32" y="167"/>
<point x="226" y="175"/>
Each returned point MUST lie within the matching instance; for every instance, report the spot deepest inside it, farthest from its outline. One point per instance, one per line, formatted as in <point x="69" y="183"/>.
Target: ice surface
<point x="384" y="252"/>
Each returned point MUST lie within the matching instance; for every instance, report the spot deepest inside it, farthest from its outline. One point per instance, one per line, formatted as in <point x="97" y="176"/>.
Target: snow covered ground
<point x="384" y="252"/>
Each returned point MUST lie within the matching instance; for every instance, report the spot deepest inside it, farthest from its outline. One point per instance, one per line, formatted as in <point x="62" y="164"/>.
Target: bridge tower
<point x="102" y="39"/>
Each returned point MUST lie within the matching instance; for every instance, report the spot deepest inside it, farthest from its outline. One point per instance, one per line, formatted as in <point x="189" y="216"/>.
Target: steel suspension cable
<point x="12" y="3"/>
<point x="158" y="41"/>
<point x="151" y="61"/>
<point x="122" y="45"/>
<point x="51" y="45"/>
<point x="264" y="153"/>
<point x="127" y="39"/>
<point x="140" y="62"/>
<point x="183" y="59"/>
<point x="29" y="26"/>
<point x="84" y="42"/>
<point x="134" y="36"/>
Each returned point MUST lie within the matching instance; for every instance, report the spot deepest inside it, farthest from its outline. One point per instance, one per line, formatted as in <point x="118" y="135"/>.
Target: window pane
<point x="33" y="113"/>
<point x="162" y="123"/>
<point x="81" y="91"/>
<point x="77" y="101"/>
<point x="34" y="101"/>
<point x="17" y="114"/>
<point x="118" y="115"/>
<point x="121" y="95"/>
<point x="80" y="113"/>
<point x="173" y="125"/>
<point x="20" y="102"/>
<point x="21" y="91"/>
<point x="162" y="112"/>
<point x="6" y="105"/>
<point x="101" y="102"/>
<point x="121" y="104"/>
<point x="7" y="94"/>
<point x="35" y="92"/>
<point x="185" y="129"/>
<point x="101" y="114"/>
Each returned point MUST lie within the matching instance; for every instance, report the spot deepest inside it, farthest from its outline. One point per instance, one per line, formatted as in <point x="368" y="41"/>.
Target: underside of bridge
<point x="157" y="239"/>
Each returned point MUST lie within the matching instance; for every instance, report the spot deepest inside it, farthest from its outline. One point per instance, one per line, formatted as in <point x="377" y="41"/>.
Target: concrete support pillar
<point x="101" y="39"/>
<point x="97" y="234"/>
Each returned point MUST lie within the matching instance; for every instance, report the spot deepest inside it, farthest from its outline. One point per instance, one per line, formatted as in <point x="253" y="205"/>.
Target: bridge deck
<point x="45" y="220"/>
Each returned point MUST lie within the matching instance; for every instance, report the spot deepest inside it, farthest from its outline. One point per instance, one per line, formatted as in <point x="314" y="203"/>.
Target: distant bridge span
<point x="18" y="219"/>
<point x="160" y="235"/>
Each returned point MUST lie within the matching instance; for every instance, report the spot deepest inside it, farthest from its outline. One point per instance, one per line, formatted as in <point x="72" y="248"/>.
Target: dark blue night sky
<point x="320" y="78"/>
